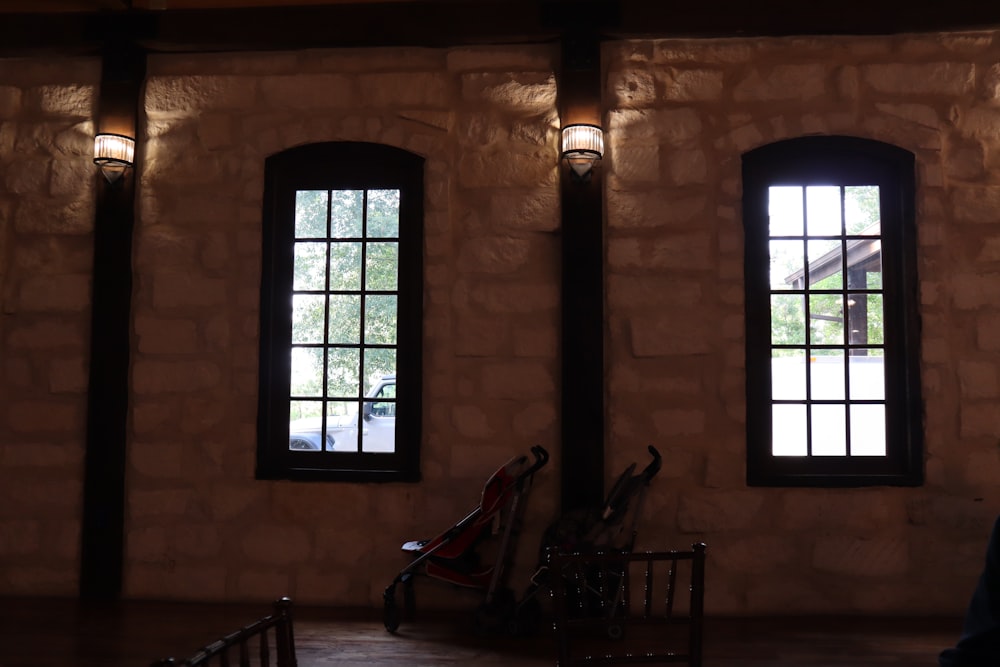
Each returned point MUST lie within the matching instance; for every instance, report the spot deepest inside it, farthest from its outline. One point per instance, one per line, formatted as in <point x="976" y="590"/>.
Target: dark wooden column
<point x="102" y="548"/>
<point x="582" y="284"/>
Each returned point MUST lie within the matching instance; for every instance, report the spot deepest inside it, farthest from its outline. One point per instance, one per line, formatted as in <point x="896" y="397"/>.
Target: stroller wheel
<point x="390" y="610"/>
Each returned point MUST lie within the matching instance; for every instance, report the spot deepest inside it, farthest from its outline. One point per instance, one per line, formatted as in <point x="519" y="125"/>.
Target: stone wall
<point x="46" y="253"/>
<point x="678" y="115"/>
<point x="199" y="526"/>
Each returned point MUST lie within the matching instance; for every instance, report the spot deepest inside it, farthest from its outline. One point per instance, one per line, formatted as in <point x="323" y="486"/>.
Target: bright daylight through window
<point x="340" y="345"/>
<point x="344" y="321"/>
<point x="826" y="335"/>
<point x="832" y="382"/>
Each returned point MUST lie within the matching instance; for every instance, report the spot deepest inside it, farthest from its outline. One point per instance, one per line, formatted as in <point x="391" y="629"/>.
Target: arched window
<point x="832" y="329"/>
<point x="341" y="314"/>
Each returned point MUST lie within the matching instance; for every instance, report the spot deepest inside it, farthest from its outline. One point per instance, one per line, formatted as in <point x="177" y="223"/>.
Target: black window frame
<point x="837" y="160"/>
<point x="338" y="165"/>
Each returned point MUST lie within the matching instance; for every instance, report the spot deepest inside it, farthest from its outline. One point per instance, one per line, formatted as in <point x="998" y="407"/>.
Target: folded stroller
<point x="452" y="556"/>
<point x="612" y="527"/>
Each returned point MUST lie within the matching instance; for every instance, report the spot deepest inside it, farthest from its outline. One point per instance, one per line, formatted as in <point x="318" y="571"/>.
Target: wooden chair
<point x="251" y="645"/>
<point x="626" y="607"/>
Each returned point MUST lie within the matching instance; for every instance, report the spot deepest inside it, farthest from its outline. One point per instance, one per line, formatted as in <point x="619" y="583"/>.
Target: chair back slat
<point x="240" y="642"/>
<point x="599" y="620"/>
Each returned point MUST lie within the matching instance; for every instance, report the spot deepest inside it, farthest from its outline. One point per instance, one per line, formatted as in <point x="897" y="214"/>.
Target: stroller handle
<point x="654" y="466"/>
<point x="541" y="458"/>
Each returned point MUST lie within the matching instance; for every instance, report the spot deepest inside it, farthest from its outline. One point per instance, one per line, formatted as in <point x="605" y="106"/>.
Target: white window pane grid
<point x="344" y="318"/>
<point x="827" y="362"/>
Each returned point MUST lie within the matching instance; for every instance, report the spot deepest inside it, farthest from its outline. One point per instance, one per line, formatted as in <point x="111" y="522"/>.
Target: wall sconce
<point x="114" y="153"/>
<point x="582" y="146"/>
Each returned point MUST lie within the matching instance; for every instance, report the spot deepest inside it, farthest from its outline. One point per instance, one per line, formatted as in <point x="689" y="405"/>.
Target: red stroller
<point x="452" y="555"/>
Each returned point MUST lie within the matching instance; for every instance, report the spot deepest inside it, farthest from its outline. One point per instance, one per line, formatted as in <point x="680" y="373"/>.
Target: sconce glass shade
<point x="582" y="146"/>
<point x="113" y="153"/>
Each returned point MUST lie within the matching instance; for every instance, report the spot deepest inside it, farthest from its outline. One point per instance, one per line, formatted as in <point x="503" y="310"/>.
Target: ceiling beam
<point x="444" y="23"/>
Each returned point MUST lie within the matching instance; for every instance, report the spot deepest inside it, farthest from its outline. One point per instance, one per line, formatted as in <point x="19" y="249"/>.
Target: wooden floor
<point x="65" y="633"/>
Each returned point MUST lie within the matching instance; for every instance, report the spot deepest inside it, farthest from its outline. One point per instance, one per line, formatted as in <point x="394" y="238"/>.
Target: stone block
<point x="471" y="422"/>
<point x="21" y="537"/>
<point x="978" y="379"/>
<point x="197" y="541"/>
<point x="782" y="83"/>
<point x="156" y="377"/>
<point x="160" y="335"/>
<point x="942" y="78"/>
<point x="184" y="290"/>
<point x="978" y="420"/>
<point x="921" y="114"/>
<point x="982" y="467"/>
<point x="157" y="459"/>
<point x="515" y="298"/>
<point x="171" y="580"/>
<point x="490" y="57"/>
<point x="144" y="503"/>
<point x="665" y="335"/>
<point x="11" y="102"/>
<point x="479" y="336"/>
<point x="685" y="167"/>
<point x="719" y="511"/>
<point x="517" y="380"/>
<point x="679" y="422"/>
<point x="536" y="340"/>
<point x="534" y="420"/>
<point x="974" y="290"/>
<point x="429" y="90"/>
<point x="31" y="175"/>
<point x="74" y="101"/>
<point x="192" y="95"/>
<point x="822" y="510"/>
<point x="275" y="544"/>
<point x="988" y="332"/>
<point x="45" y="416"/>
<point x="755" y="555"/>
<point x="69" y="375"/>
<point x="231" y="500"/>
<point x="528" y="93"/>
<point x="215" y="131"/>
<point x="632" y="88"/>
<point x="494" y="255"/>
<point x="496" y="167"/>
<point x="690" y="85"/>
<point x="55" y="294"/>
<point x="634" y="163"/>
<point x="533" y="209"/>
<point x="862" y="557"/>
<point x="67" y="454"/>
<point x="146" y="544"/>
<point x="40" y="580"/>
<point x="667" y="127"/>
<point x="976" y="203"/>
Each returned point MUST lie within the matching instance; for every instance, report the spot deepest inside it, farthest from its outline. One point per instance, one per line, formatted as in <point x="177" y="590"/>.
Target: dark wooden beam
<point x="443" y="23"/>
<point x="736" y="18"/>
<point x="582" y="341"/>
<point x="102" y="545"/>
